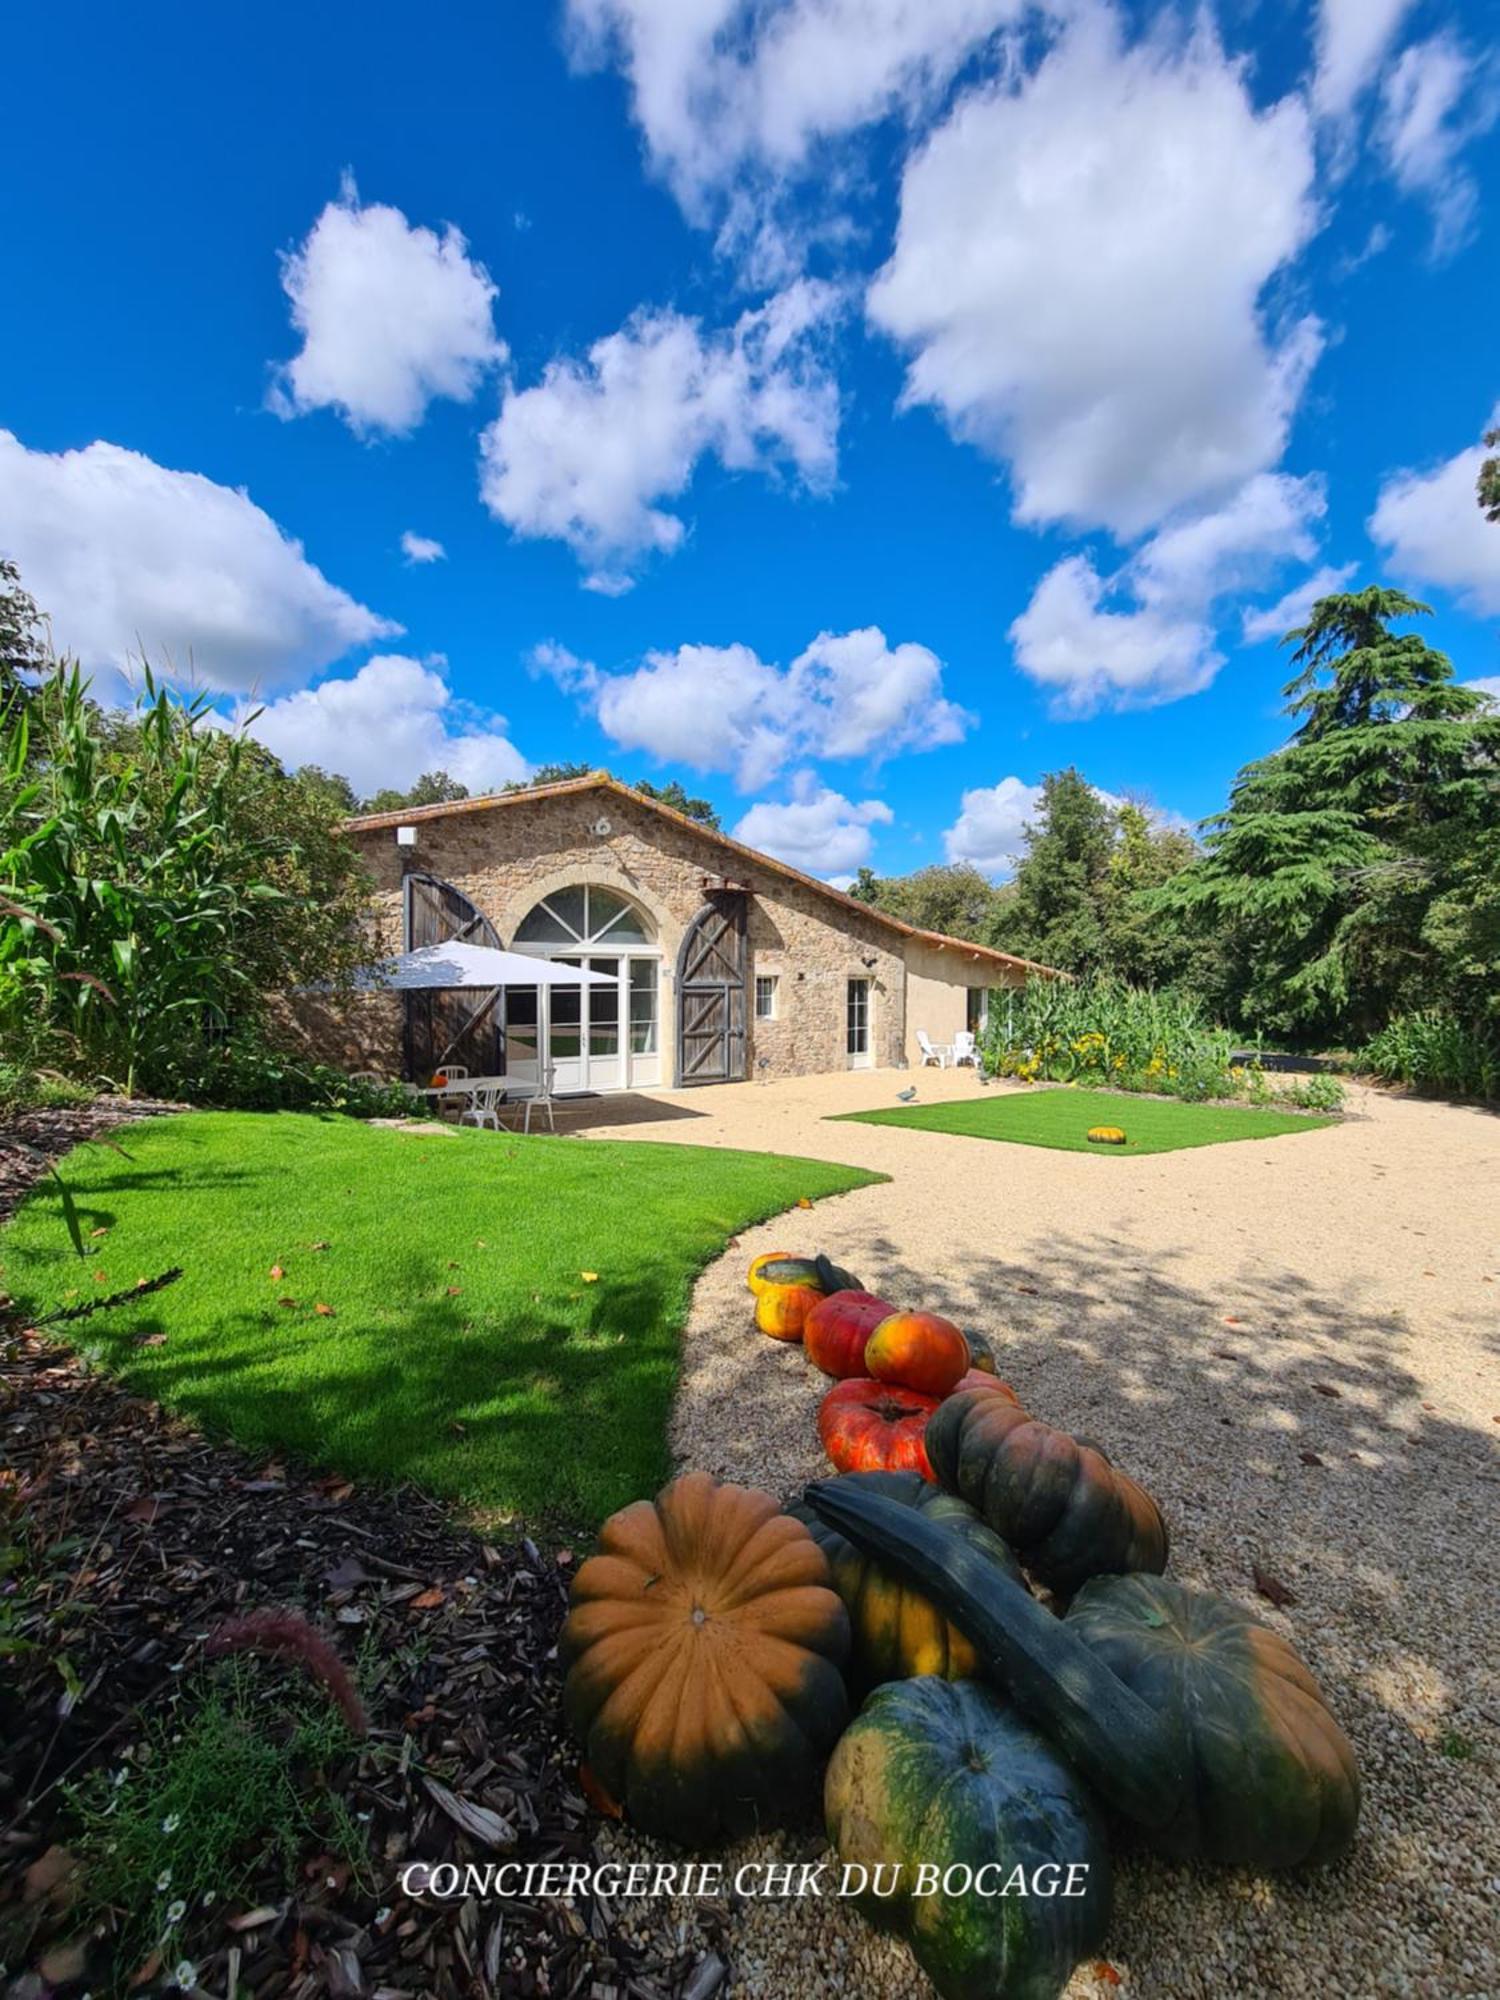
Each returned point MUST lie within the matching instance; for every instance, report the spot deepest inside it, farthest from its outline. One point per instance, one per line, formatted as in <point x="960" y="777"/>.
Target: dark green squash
<point x="942" y="1773"/>
<point x="1179" y="1708"/>
<point x="896" y="1631"/>
<point x="1068" y="1513"/>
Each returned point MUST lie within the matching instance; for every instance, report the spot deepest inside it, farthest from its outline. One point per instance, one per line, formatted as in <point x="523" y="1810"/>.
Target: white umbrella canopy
<point x="455" y="964"/>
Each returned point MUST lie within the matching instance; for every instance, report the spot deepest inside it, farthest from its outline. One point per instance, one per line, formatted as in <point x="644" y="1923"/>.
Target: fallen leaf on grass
<point x="290" y="1303"/>
<point x="277" y="1272"/>
<point x="1271" y="1588"/>
<point x="323" y="1312"/>
<point x="318" y="1246"/>
<point x="803" y="1202"/>
<point x="102" y="1230"/>
<point x="454" y="1291"/>
<point x="149" y="1340"/>
<point x="589" y="1277"/>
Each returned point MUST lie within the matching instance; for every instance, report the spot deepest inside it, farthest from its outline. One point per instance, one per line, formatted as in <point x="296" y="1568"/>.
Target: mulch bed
<point x="167" y="1534"/>
<point x="26" y="1134"/>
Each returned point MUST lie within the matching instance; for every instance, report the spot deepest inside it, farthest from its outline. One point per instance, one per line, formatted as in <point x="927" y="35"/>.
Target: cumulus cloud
<point x="723" y="708"/>
<point x="1434" y="532"/>
<point x="722" y="88"/>
<point x="1436" y="100"/>
<point x="391" y="315"/>
<point x="991" y="825"/>
<point x="588" y="454"/>
<point x="386" y="725"/>
<point x="1079" y="268"/>
<point x="1352" y="39"/>
<point x="1489" y="685"/>
<point x="1145" y="635"/>
<point x="1273" y="621"/>
<point x="817" y="830"/>
<point x="128" y="555"/>
<point x="422" y="548"/>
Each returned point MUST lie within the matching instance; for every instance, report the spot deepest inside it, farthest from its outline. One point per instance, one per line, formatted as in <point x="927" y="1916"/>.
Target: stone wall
<point x="506" y="858"/>
<point x="362" y="1032"/>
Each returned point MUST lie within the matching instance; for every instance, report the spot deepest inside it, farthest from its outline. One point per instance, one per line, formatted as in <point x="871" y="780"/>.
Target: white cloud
<point x="991" y="824"/>
<point x="391" y="316"/>
<point x="422" y="548"/>
<point x="589" y="452"/>
<point x="1275" y="620"/>
<point x="720" y="87"/>
<point x="1437" y="99"/>
<point x="723" y="708"/>
<point x="386" y="725"/>
<point x="1434" y="531"/>
<point x="1145" y="635"/>
<point x="1353" y="37"/>
<point x="1078" y="273"/>
<point x="1488" y="685"/>
<point x="816" y="830"/>
<point x="127" y="555"/>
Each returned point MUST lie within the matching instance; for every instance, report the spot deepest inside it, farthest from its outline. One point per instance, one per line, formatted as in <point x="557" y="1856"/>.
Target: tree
<point x="1489" y="479"/>
<point x="23" y="638"/>
<point x="433" y="788"/>
<point x="1057" y="913"/>
<point x="551" y="774"/>
<point x="1349" y="863"/>
<point x="673" y="795"/>
<point x="953" y="897"/>
<point x="336" y="792"/>
<point x="1138" y="946"/>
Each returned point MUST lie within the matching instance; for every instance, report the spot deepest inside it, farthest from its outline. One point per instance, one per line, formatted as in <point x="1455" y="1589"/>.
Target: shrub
<point x="1434" y="1050"/>
<point x="1313" y="1093"/>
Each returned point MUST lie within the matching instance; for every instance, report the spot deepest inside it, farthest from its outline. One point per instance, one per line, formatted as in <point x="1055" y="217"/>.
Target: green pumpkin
<point x="897" y="1632"/>
<point x="1182" y="1711"/>
<point x="942" y="1773"/>
<point x="1275" y="1783"/>
<point x="819" y="1272"/>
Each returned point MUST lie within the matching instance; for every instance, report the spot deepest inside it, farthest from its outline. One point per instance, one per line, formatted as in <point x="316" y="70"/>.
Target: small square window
<point x="765" y="996"/>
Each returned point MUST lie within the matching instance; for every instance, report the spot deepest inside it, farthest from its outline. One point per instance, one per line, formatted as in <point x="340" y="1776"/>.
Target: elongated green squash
<point x="1123" y="1748"/>
<point x="1184" y="1712"/>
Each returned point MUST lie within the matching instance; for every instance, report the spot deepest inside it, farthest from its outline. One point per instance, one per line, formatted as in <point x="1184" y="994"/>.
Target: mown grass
<point x="1061" y="1119"/>
<point x="502" y="1313"/>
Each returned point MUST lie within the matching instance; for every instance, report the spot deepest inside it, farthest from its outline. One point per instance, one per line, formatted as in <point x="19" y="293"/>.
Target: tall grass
<point x="1101" y="1030"/>
<point x="1434" y="1050"/>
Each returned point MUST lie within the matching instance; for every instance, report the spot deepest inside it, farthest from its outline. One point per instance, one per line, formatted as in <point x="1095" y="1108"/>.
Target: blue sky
<point x="853" y="409"/>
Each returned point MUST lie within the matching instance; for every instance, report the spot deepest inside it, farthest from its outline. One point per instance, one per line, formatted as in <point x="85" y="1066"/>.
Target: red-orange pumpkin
<point x="918" y="1350"/>
<point x="867" y="1426"/>
<point x="838" y="1327"/>
<point x="781" y="1310"/>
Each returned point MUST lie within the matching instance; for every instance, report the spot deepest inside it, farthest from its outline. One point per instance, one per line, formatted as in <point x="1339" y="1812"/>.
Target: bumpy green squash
<point x="1068" y="1513"/>
<point x="896" y="1631"/>
<point x="941" y="1773"/>
<point x="1181" y="1711"/>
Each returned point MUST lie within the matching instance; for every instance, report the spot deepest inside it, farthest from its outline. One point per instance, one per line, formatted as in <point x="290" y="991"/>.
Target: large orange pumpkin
<point x="917" y="1350"/>
<point x="837" y="1329"/>
<point x="703" y="1649"/>
<point x="978" y="1379"/>
<point x="867" y="1426"/>
<point x="782" y="1310"/>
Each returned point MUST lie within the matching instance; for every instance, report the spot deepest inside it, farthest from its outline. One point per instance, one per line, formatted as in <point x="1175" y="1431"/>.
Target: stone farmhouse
<point x="723" y="964"/>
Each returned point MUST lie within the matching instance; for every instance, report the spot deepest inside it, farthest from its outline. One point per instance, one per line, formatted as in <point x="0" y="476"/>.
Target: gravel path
<point x="1292" y="1344"/>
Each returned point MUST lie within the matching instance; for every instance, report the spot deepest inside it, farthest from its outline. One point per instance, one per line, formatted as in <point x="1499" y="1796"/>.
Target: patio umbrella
<point x="446" y="966"/>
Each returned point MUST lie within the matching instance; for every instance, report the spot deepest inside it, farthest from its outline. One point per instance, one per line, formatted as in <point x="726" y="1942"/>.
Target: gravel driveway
<point x="1292" y="1344"/>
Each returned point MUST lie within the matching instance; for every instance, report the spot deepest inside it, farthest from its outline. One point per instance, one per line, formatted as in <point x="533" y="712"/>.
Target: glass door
<point x="565" y="1050"/>
<point x="522" y="1025"/>
<point x="857" y="1024"/>
<point x="604" y="1067"/>
<point x="645" y="1059"/>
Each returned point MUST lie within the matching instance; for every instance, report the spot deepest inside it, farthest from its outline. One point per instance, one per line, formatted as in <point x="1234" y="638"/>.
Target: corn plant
<point x="1435" y="1050"/>
<point x="1101" y="1030"/>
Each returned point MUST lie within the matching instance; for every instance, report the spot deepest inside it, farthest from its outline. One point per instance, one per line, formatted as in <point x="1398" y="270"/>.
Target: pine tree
<point x="1056" y="914"/>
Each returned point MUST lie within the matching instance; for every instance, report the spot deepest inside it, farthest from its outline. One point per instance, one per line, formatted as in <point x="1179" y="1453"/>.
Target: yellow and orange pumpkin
<point x="782" y="1310"/>
<point x="837" y="1329"/>
<point x="918" y="1350"/>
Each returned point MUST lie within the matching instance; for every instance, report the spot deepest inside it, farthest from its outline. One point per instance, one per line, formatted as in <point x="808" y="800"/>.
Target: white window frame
<point x="771" y="981"/>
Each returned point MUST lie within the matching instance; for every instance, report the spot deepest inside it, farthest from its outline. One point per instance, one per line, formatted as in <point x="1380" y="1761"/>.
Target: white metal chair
<point x="540" y="1099"/>
<point x="483" y="1107"/>
<point x="965" y="1048"/>
<point x="931" y="1053"/>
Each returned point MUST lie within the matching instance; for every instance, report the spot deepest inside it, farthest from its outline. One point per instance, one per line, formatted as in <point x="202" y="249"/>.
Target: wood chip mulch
<point x="165" y="1535"/>
<point x="25" y="1135"/>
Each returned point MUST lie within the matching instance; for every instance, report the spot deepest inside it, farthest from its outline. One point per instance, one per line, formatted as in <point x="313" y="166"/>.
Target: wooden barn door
<point x="711" y="975"/>
<point x="460" y="1026"/>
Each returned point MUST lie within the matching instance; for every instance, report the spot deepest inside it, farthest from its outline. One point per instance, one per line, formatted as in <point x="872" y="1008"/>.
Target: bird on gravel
<point x="906" y="1096"/>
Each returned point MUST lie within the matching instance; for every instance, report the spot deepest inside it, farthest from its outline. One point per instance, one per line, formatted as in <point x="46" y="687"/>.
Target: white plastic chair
<point x="965" y="1048"/>
<point x="453" y="1072"/>
<point x="483" y="1107"/>
<point x="541" y="1098"/>
<point x="367" y="1076"/>
<point x="931" y="1053"/>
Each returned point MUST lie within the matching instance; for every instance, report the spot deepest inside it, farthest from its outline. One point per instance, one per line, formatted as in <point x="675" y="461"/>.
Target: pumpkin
<point x="1064" y="1509"/>
<point x="703" y="1651"/>
<point x="1105" y="1135"/>
<point x="1178" y="1707"/>
<point x="867" y="1426"/>
<point x="758" y="1264"/>
<point x="782" y="1310"/>
<point x="976" y="1379"/>
<point x="895" y="1632"/>
<point x="838" y="1327"/>
<point x="981" y="1354"/>
<point x="941" y="1773"/>
<point x="917" y="1350"/>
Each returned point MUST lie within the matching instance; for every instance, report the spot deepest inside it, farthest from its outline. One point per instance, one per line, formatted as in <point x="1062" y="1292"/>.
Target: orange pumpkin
<point x="866" y="1426"/>
<point x="703" y="1651"/>
<point x="979" y="1378"/>
<point x="918" y="1351"/>
<point x="782" y="1310"/>
<point x="837" y="1329"/>
<point x="753" y="1277"/>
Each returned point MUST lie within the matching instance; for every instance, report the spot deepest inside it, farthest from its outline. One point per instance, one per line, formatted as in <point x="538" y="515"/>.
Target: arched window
<point x="584" y="917"/>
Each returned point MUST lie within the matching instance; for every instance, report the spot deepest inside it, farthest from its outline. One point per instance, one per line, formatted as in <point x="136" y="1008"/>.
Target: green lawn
<point x="464" y="1349"/>
<point x="1061" y="1119"/>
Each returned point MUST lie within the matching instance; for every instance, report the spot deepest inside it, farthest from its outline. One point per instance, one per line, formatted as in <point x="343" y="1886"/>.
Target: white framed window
<point x="766" y="984"/>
